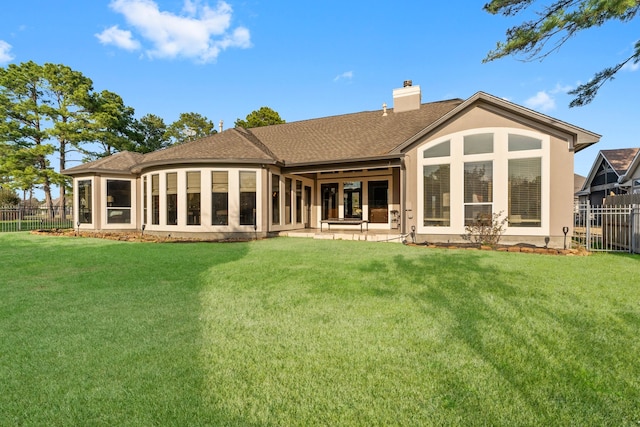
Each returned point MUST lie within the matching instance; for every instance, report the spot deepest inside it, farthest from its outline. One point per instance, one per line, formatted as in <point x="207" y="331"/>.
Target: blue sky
<point x="314" y="59"/>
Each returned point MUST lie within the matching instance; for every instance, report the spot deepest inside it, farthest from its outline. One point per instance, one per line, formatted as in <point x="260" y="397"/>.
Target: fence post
<point x="632" y="230"/>
<point x="587" y="220"/>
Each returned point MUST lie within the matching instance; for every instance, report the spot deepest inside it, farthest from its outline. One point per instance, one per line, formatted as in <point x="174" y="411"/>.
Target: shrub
<point x="486" y="229"/>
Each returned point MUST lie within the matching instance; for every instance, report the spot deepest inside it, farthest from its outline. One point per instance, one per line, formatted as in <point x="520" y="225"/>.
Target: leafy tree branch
<point x="554" y="25"/>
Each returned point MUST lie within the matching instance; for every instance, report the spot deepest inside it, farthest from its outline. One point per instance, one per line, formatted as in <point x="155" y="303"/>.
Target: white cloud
<point x="560" y="89"/>
<point x="200" y="32"/>
<point x="347" y="75"/>
<point x="5" y="55"/>
<point x="541" y="101"/>
<point x="631" y="66"/>
<point x="120" y="38"/>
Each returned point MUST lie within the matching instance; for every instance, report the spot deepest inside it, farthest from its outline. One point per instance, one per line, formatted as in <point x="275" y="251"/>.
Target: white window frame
<point x="205" y="201"/>
<point x="500" y="158"/>
<point x="364" y="177"/>
<point x="105" y="211"/>
<point x="76" y="206"/>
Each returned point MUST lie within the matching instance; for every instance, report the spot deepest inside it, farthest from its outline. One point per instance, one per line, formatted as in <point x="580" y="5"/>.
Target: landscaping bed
<point x="519" y="247"/>
<point x="141" y="237"/>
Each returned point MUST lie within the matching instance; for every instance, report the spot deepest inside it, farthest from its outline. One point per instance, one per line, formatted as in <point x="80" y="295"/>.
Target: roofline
<point x="359" y="163"/>
<point x="71" y="172"/>
<point x="592" y="171"/>
<point x="175" y="162"/>
<point x="594" y="167"/>
<point x="631" y="169"/>
<point x="580" y="133"/>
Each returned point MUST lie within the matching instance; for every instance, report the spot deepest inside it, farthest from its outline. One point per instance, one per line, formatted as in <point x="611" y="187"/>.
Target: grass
<point x="304" y="332"/>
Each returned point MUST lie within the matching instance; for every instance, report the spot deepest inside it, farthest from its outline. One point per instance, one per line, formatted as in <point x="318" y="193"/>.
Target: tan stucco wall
<point x="559" y="181"/>
<point x="562" y="190"/>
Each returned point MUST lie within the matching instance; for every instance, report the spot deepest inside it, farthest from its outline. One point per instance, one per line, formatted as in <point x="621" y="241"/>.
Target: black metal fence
<point x="608" y="228"/>
<point x="23" y="218"/>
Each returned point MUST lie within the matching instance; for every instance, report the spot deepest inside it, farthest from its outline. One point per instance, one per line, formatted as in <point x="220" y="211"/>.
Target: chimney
<point x="408" y="98"/>
<point x="220" y="125"/>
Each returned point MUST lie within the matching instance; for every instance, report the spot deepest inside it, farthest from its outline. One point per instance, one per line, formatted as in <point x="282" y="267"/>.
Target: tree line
<point x="50" y="110"/>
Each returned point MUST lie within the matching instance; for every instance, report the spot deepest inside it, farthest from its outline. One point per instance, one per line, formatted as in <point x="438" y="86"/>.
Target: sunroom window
<point x="275" y="199"/>
<point x="523" y="142"/>
<point x="193" y="198"/>
<point x="437" y="195"/>
<point x="220" y="198"/>
<point x="172" y="198"/>
<point x="439" y="150"/>
<point x="525" y="192"/>
<point x="155" y="199"/>
<point x="478" y="191"/>
<point x="247" y="198"/>
<point x="145" y="191"/>
<point x="118" y="201"/>
<point x="480" y="143"/>
<point x="85" y="199"/>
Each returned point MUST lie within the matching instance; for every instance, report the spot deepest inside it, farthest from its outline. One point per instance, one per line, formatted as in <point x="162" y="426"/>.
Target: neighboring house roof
<point x="624" y="180"/>
<point x="578" y="182"/>
<point x="369" y="135"/>
<point x="618" y="159"/>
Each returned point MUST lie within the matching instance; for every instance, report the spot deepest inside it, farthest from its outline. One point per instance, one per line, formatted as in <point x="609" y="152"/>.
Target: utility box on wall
<point x="395" y="220"/>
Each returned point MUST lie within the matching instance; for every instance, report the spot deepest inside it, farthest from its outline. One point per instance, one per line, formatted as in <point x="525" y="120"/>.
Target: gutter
<point x="332" y="165"/>
<point x="180" y="162"/>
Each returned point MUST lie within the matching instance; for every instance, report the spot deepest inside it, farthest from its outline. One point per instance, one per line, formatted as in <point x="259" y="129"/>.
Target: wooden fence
<point x="22" y="218"/>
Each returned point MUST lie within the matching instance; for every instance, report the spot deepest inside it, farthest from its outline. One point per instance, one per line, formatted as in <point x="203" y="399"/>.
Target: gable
<point x="620" y="159"/>
<point x="467" y="116"/>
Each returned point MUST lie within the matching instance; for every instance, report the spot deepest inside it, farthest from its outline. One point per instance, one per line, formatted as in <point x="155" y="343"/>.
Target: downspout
<point x="403" y="196"/>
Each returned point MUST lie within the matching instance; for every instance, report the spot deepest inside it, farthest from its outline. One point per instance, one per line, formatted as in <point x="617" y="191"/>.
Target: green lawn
<point x="287" y="331"/>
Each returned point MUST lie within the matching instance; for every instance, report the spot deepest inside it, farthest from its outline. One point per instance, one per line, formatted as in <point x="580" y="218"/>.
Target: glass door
<point x="307" y="204"/>
<point x="353" y="199"/>
<point x="378" y="202"/>
<point x="329" y="200"/>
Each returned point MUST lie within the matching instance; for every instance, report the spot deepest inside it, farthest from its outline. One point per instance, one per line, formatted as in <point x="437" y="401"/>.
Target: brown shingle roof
<point x="229" y="145"/>
<point x="349" y="136"/>
<point x="117" y="163"/>
<point x="346" y="137"/>
<point x="343" y="138"/>
<point x="620" y="159"/>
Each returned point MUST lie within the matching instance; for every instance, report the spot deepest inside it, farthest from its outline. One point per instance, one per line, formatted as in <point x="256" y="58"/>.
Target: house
<point x="427" y="169"/>
<point x="578" y="182"/>
<point x="611" y="174"/>
<point x="630" y="180"/>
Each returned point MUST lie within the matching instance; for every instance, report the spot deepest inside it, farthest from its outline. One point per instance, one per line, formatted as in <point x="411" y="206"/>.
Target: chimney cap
<point x="407" y="83"/>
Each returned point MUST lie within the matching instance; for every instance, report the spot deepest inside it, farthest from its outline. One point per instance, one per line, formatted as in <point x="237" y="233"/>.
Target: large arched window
<point x="472" y="175"/>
